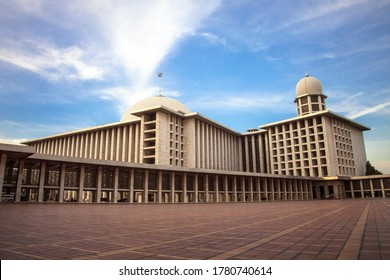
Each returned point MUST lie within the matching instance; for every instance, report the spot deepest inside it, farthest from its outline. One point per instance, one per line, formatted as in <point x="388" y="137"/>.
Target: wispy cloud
<point x="247" y="101"/>
<point x="319" y="10"/>
<point x="368" y="110"/>
<point x="12" y="130"/>
<point x="378" y="44"/>
<point x="268" y="25"/>
<point x="214" y="39"/>
<point x="357" y="104"/>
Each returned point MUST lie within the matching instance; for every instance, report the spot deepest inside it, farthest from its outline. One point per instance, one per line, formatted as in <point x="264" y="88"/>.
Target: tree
<point x="370" y="170"/>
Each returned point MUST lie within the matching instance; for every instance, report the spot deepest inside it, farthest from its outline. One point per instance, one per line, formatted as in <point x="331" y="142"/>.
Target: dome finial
<point x="160" y="75"/>
<point x="307" y="74"/>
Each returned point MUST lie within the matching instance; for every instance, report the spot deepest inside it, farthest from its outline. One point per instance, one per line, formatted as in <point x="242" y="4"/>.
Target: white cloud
<point x="141" y="34"/>
<point x="52" y="63"/>
<point x="127" y="40"/>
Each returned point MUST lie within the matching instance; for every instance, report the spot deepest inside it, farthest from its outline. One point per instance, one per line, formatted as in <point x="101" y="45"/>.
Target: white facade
<point x="160" y="151"/>
<point x="162" y="131"/>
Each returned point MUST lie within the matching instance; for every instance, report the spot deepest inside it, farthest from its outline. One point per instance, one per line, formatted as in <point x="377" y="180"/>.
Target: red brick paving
<point x="267" y="230"/>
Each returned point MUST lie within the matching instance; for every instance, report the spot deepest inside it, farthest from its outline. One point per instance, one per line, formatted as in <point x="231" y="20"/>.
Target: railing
<point x="7" y="198"/>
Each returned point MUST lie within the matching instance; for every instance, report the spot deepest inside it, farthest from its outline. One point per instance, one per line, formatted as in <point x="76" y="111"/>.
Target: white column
<point x="81" y="183"/>
<point x="206" y="186"/>
<point x="382" y="188"/>
<point x="56" y="146"/>
<point x="118" y="146"/>
<point x="41" y="181"/>
<point x="125" y="147"/>
<point x="198" y="143"/>
<point x="372" y="188"/>
<point x="101" y="145"/>
<point x="131" y="186"/>
<point x="243" y="189"/>
<point x="137" y="144"/>
<point x="184" y="185"/>
<point x="19" y="181"/>
<point x="96" y="145"/>
<point x="285" y="188"/>
<point x="99" y="184"/>
<point x="216" y="188"/>
<point x="172" y="181"/>
<point x="112" y="144"/>
<point x="251" y="189"/>
<point x="196" y="190"/>
<point x="87" y="145"/>
<point x="294" y="190"/>
<point x="272" y="190"/>
<point x="77" y="149"/>
<point x="62" y="183"/>
<point x="131" y="145"/>
<point x="207" y="146"/>
<point x="253" y="154"/>
<point x="72" y="146"/>
<point x="235" y="188"/>
<point x="108" y="145"/>
<point x="159" y="186"/>
<point x="309" y="189"/>
<point x="213" y="145"/>
<point x="146" y="186"/>
<point x="79" y="145"/>
<point x="116" y="183"/>
<point x="246" y="163"/>
<point x="226" y="187"/>
<point x="3" y="162"/>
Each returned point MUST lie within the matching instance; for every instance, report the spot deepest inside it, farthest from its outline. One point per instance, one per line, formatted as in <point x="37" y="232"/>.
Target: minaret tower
<point x="310" y="98"/>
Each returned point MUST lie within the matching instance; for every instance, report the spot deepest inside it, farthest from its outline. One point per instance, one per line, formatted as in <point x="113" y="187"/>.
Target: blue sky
<point x="73" y="64"/>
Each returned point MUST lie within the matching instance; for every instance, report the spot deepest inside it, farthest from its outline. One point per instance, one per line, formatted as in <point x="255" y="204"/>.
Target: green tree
<point x="371" y="170"/>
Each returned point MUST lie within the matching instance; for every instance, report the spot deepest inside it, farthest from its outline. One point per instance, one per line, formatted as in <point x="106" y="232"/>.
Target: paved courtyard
<point x="333" y="229"/>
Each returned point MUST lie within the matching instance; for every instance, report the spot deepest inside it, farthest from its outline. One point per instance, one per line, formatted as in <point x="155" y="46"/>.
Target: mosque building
<point x="160" y="151"/>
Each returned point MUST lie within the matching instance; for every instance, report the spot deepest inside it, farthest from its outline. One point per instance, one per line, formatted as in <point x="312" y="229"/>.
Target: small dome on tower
<point x="308" y="85"/>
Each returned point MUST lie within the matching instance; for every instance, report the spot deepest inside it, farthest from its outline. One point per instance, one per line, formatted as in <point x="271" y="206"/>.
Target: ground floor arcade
<point x="25" y="176"/>
<point x="42" y="181"/>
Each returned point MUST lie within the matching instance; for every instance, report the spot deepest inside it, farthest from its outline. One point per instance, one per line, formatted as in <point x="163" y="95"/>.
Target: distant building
<point x="160" y="151"/>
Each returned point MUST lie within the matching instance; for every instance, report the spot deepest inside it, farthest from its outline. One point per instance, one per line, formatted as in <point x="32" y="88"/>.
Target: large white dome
<point x="308" y="85"/>
<point x="153" y="102"/>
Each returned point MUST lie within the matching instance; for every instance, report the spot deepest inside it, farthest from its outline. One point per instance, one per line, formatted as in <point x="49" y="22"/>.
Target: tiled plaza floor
<point x="333" y="229"/>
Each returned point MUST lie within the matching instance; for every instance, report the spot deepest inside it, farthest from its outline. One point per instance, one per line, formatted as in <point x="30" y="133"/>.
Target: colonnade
<point x="42" y="181"/>
<point x="373" y="186"/>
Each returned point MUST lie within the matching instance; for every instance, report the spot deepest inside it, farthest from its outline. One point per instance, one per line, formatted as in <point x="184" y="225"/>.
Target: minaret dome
<point x="309" y="96"/>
